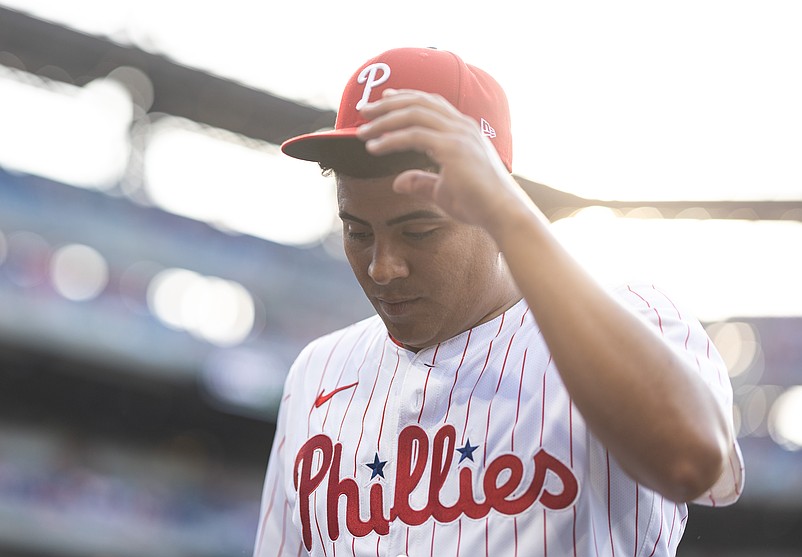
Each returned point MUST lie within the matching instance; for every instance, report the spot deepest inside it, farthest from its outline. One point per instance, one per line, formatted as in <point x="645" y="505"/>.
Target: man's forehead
<point x="348" y="185"/>
<point x="374" y="198"/>
<point x="412" y="216"/>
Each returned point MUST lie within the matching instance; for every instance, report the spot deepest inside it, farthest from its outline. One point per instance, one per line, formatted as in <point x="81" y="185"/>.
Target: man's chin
<point x="404" y="338"/>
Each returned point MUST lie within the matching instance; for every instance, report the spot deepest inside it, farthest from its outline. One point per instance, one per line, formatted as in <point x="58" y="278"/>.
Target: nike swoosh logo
<point x="324" y="398"/>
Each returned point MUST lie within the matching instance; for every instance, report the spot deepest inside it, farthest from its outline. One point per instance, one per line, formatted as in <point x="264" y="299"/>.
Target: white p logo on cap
<point x="369" y="77"/>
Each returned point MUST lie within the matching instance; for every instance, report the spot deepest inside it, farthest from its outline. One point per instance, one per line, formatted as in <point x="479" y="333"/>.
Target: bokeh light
<point x="237" y="185"/>
<point x="75" y="135"/>
<point x="718" y="268"/>
<point x="785" y="419"/>
<point x="738" y="344"/>
<point x="210" y="308"/>
<point x="79" y="272"/>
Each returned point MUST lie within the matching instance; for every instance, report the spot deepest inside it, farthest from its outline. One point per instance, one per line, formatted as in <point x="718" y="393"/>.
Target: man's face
<point x="428" y="276"/>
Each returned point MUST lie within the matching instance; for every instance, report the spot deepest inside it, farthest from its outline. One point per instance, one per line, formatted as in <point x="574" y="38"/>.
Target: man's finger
<point x="416" y="182"/>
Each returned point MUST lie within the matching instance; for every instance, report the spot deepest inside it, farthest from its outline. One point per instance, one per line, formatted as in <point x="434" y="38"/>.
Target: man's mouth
<point x="396" y="307"/>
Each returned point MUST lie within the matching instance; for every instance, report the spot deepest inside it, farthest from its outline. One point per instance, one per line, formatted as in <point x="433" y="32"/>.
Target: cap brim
<point x="342" y="151"/>
<point x="323" y="145"/>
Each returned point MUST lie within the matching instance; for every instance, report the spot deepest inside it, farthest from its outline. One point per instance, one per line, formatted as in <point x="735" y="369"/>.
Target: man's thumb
<point x="416" y="182"/>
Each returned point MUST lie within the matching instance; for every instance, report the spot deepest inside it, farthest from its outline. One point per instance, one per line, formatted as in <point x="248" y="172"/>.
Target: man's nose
<point x="387" y="264"/>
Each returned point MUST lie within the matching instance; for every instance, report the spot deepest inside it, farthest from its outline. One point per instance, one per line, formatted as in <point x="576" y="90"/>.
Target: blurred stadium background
<point x="161" y="265"/>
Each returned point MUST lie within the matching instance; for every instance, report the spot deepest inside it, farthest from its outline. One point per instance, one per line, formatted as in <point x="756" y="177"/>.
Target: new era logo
<point x="487" y="129"/>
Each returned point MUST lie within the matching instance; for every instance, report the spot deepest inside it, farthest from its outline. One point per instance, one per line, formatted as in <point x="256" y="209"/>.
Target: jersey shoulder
<point x="326" y="345"/>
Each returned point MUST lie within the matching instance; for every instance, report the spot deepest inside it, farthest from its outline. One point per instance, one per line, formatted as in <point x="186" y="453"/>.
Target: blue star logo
<point x="467" y="451"/>
<point x="377" y="466"/>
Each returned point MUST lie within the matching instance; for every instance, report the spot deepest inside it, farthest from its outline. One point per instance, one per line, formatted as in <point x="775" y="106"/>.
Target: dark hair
<point x="349" y="158"/>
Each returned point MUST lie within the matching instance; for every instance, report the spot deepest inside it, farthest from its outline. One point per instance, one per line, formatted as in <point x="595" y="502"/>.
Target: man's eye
<point x="357" y="233"/>
<point x="419" y="234"/>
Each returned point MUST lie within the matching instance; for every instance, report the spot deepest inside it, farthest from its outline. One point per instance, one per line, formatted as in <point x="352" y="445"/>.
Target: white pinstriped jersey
<point x="470" y="447"/>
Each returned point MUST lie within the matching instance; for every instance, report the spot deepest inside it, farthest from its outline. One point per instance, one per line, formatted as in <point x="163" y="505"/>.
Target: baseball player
<point x="500" y="402"/>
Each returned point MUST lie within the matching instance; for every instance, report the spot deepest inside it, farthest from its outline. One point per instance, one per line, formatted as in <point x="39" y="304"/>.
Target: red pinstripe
<point x="609" y="506"/>
<point x="490" y="404"/>
<point x="637" y="509"/>
<point x="659" y="319"/>
<point x="367" y="406"/>
<point x="543" y="402"/>
<point x="487" y="538"/>
<point x="518" y="407"/>
<point x="319" y="384"/>
<point x="669" y="300"/>
<point x="283" y="528"/>
<point x="639" y="296"/>
<point x="542" y="426"/>
<point x="431" y="548"/>
<point x="673" y="520"/>
<point x="571" y="457"/>
<point x="645" y="301"/>
<point x="545" y="537"/>
<point x="267" y="515"/>
<point x="515" y="531"/>
<point x="386" y="398"/>
<point x="353" y="391"/>
<point x="342" y="370"/>
<point x="459" y="535"/>
<point x="317" y="524"/>
<point x="679" y="316"/>
<point x="520" y="389"/>
<point x="273" y="493"/>
<point x="484" y="367"/>
<point x="660" y="532"/>
<point x="456" y="375"/>
<point x="426" y="384"/>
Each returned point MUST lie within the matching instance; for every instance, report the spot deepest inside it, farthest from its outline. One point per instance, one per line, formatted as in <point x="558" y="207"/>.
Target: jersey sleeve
<point x="276" y="534"/>
<point x="687" y="336"/>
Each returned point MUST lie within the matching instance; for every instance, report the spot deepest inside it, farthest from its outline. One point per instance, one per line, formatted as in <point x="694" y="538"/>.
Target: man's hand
<point x="644" y="402"/>
<point x="472" y="185"/>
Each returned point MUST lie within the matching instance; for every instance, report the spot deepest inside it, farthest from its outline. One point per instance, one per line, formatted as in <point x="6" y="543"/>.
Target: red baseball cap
<point x="471" y="90"/>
